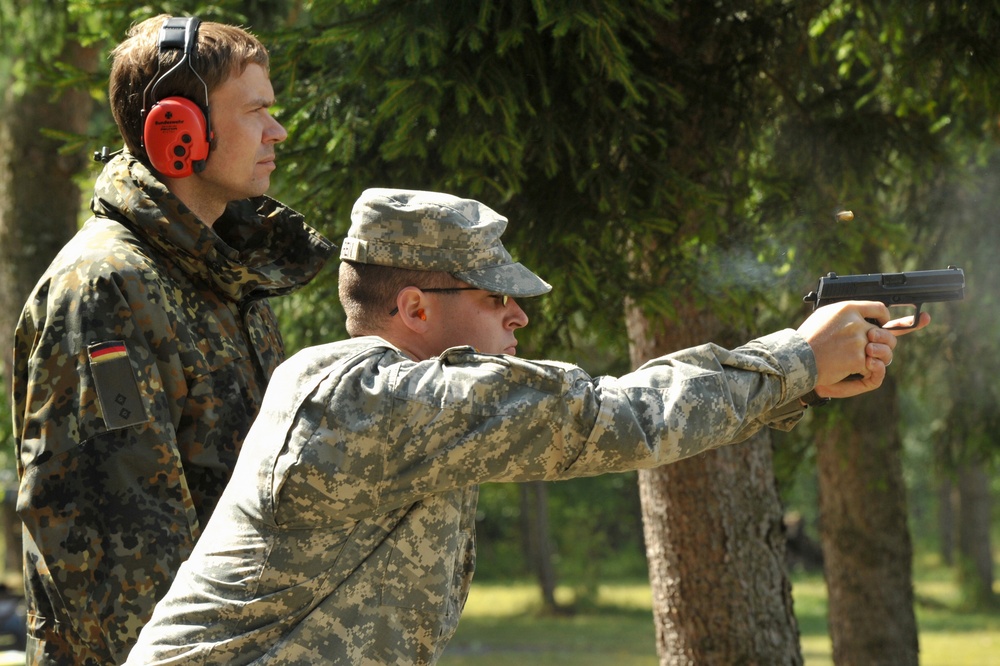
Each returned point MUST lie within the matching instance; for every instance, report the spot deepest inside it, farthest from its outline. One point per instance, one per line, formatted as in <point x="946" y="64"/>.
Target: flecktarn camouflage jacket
<point x="140" y="361"/>
<point x="346" y="535"/>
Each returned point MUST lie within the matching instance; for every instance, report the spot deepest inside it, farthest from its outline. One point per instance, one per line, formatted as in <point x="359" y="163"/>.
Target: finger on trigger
<point x="875" y="311"/>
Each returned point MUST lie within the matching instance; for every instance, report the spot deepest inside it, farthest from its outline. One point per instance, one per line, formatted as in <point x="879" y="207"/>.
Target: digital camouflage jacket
<point x="346" y="535"/>
<point x="140" y="361"/>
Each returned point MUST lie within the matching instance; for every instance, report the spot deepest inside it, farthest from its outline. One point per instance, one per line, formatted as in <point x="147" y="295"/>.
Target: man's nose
<point x="517" y="317"/>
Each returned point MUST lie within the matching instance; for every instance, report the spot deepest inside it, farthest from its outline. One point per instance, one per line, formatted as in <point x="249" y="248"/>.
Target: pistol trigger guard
<point x="916" y="317"/>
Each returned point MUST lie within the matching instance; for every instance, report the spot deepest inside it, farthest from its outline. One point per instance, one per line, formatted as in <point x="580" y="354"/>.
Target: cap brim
<point x="511" y="279"/>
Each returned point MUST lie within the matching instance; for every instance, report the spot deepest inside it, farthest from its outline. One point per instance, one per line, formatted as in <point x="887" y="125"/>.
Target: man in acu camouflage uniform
<point x="346" y="535"/>
<point x="142" y="355"/>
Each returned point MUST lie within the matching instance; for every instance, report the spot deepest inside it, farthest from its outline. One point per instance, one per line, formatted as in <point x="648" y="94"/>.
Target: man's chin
<point x="259" y="188"/>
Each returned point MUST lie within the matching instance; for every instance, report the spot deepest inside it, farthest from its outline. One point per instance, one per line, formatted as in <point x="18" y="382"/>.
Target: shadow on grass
<point x="529" y="640"/>
<point x="505" y="625"/>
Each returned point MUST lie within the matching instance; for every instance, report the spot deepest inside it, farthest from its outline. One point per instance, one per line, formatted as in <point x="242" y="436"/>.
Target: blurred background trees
<point x="674" y="169"/>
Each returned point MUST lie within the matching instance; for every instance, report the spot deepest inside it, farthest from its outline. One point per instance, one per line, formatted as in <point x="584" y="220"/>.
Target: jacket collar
<point x="258" y="247"/>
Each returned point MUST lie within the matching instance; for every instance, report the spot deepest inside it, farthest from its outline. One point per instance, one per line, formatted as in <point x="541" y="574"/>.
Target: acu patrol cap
<point x="433" y="231"/>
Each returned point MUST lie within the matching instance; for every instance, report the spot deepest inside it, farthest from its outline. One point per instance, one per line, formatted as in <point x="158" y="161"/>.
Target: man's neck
<point x="409" y="344"/>
<point x="207" y="209"/>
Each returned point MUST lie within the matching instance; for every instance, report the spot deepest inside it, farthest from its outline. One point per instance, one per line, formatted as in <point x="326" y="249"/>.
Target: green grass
<point x="502" y="625"/>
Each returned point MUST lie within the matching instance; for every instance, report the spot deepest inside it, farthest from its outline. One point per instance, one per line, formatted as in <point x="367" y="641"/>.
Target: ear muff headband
<point x="176" y="131"/>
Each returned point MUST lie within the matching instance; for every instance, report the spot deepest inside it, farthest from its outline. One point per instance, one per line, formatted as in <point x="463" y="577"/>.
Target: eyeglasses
<point x="446" y="290"/>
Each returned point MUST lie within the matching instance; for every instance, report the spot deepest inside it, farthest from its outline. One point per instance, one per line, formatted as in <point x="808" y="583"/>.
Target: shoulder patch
<point x="116" y="384"/>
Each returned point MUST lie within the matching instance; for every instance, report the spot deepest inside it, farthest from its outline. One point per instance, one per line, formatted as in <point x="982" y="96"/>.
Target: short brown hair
<point x="222" y="51"/>
<point x="368" y="292"/>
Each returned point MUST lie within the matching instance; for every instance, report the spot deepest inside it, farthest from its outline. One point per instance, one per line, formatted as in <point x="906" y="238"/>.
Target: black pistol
<point x="912" y="288"/>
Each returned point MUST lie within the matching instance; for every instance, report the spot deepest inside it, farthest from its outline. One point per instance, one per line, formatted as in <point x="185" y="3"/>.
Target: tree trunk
<point x="715" y="541"/>
<point x="863" y="527"/>
<point x="946" y="520"/>
<point x="538" y="539"/>
<point x="975" y="557"/>
<point x="39" y="211"/>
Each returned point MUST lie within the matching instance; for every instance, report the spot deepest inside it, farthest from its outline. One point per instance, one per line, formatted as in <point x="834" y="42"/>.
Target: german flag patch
<point x="116" y="384"/>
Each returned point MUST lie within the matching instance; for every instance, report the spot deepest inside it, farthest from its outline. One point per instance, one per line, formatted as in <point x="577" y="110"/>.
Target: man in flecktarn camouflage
<point x="142" y="355"/>
<point x="346" y="534"/>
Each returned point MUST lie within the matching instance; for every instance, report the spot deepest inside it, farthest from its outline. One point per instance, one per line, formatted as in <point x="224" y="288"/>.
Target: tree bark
<point x="715" y="540"/>
<point x="863" y="527"/>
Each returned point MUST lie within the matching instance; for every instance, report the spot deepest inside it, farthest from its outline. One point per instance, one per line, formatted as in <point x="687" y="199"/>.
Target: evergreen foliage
<point x="577" y="120"/>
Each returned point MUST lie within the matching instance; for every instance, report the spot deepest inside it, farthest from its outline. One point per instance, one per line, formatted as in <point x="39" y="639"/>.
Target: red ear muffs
<point x="176" y="137"/>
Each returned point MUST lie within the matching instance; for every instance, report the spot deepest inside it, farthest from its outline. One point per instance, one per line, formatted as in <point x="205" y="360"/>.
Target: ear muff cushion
<point x="175" y="136"/>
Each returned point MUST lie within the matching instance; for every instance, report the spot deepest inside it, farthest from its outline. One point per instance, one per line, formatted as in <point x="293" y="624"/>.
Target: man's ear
<point x="412" y="309"/>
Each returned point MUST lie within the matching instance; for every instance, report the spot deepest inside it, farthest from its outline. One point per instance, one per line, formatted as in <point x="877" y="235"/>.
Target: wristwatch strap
<point x="812" y="399"/>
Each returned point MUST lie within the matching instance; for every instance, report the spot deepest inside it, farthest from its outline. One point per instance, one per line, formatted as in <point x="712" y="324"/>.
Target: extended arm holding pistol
<point x="912" y="288"/>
